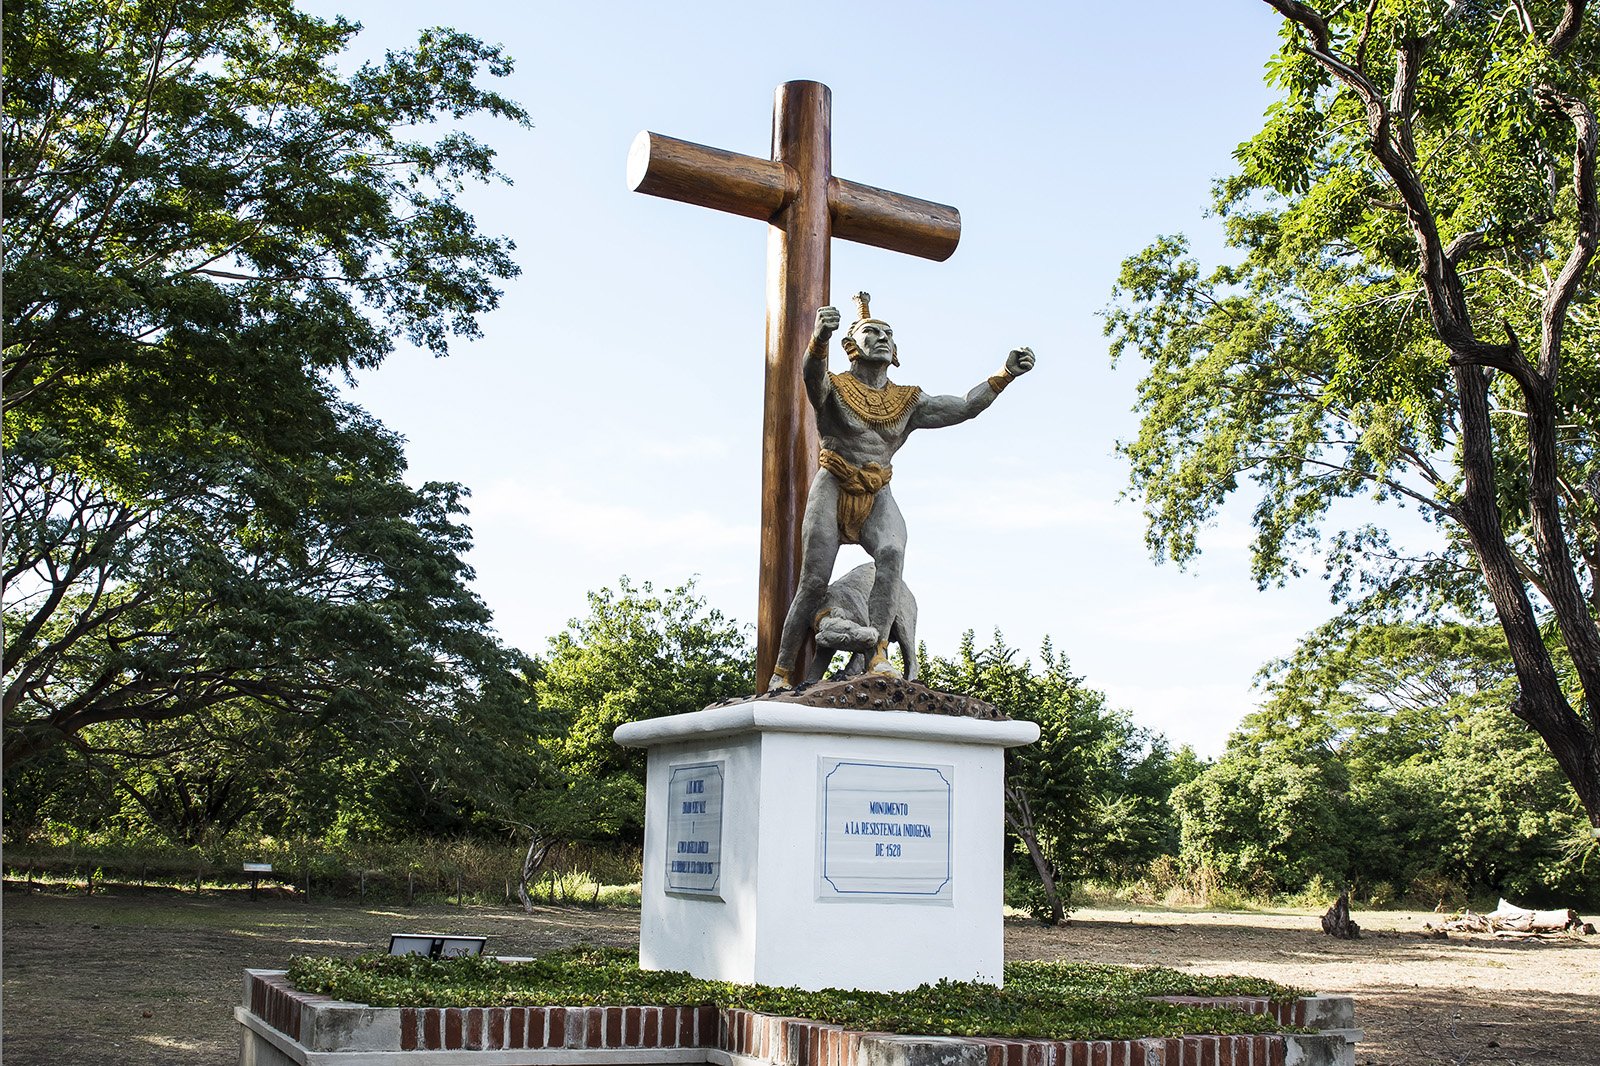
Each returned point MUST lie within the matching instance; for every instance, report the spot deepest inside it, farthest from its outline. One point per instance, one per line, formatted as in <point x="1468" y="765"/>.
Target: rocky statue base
<point x="833" y="844"/>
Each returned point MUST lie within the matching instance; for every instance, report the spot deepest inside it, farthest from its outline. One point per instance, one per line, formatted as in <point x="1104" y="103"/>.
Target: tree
<point x="1416" y="222"/>
<point x="210" y="558"/>
<point x="1384" y="756"/>
<point x="637" y="655"/>
<point x="1058" y="789"/>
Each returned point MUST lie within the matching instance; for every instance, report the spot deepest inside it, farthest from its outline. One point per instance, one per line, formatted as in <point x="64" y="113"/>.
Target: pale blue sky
<point x="609" y="421"/>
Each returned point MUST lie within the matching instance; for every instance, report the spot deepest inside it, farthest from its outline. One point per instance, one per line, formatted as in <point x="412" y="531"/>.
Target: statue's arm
<point x="936" y="412"/>
<point x="815" y="369"/>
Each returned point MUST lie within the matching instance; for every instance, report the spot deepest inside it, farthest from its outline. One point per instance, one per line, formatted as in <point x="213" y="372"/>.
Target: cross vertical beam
<point x="797" y="284"/>
<point x="796" y="193"/>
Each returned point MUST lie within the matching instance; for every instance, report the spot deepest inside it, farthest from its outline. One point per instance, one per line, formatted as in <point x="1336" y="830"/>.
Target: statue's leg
<point x="819" y="546"/>
<point x="884" y="537"/>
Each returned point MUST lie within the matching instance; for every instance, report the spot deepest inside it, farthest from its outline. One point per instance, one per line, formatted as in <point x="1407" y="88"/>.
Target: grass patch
<point x="1046" y="1000"/>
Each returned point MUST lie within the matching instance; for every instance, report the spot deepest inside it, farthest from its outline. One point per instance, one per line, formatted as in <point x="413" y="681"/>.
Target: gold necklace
<point x="881" y="407"/>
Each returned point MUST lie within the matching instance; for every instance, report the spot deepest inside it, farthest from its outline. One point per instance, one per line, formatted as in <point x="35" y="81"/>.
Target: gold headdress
<point x="863" y="314"/>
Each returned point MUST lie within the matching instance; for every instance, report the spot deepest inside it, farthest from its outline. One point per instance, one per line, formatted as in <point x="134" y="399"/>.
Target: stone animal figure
<point x="863" y="418"/>
<point x="842" y="625"/>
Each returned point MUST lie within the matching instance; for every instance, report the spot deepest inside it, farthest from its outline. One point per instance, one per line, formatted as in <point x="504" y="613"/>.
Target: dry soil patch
<point x="152" y="980"/>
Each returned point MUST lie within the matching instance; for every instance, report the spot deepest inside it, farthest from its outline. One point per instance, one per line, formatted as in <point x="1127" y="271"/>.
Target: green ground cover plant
<point x="1045" y="1000"/>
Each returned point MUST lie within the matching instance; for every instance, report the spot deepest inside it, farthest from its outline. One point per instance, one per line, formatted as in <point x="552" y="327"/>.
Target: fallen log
<point x="1521" y="920"/>
<point x="1508" y="920"/>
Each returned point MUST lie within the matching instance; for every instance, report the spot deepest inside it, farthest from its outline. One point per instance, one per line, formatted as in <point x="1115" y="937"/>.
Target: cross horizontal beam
<point x="761" y="188"/>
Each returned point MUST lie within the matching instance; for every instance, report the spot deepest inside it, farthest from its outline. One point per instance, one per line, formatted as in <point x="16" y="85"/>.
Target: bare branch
<point x="1566" y="284"/>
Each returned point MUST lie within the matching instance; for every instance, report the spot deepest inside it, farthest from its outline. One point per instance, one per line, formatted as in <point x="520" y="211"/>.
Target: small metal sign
<point x="694" y="829"/>
<point x="884" y="831"/>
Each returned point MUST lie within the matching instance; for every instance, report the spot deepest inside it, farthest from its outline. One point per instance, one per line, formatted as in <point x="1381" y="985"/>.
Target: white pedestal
<point x="823" y="847"/>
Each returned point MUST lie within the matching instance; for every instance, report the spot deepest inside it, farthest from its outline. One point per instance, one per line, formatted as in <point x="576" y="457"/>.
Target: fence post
<point x="411" y="886"/>
<point x="458" y="888"/>
<point x="363" y="889"/>
<point x="308" y="882"/>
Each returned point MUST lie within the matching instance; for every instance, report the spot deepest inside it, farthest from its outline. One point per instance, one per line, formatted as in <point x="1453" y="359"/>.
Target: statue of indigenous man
<point x="863" y="418"/>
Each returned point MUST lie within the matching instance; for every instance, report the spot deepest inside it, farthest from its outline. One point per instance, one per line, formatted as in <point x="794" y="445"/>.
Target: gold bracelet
<point x="998" y="382"/>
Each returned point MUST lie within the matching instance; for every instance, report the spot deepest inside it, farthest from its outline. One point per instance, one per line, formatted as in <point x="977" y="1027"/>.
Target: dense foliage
<point x="1055" y="1001"/>
<point x="637" y="655"/>
<point x="1406" y="323"/>
<point x="1090" y="798"/>
<point x="1385" y="761"/>
<point x="222" y="600"/>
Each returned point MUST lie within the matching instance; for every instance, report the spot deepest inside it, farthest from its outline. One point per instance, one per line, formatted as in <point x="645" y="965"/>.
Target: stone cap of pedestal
<point x="761" y="716"/>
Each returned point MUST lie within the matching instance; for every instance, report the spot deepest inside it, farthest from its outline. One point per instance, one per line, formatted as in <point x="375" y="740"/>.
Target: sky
<point x="608" y="422"/>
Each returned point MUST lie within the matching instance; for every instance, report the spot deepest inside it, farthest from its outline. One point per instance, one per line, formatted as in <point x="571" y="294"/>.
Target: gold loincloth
<point x="858" y="491"/>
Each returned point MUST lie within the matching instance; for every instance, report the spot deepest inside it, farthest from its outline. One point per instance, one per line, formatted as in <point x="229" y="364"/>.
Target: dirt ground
<point x="151" y="980"/>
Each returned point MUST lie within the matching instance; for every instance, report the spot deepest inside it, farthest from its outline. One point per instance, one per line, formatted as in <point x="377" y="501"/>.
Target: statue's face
<point x="875" y="339"/>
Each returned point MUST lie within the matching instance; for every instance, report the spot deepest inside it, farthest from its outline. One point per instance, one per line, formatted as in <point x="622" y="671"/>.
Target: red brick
<point x="497" y="1028"/>
<point x="1119" y="1053"/>
<point x="613" y="1026"/>
<point x="1099" y="1054"/>
<point x="632" y="1026"/>
<point x="686" y="1037"/>
<point x="432" y="1039"/>
<point x="1224" y="1051"/>
<point x="474" y="1036"/>
<point x="1299" y="1012"/>
<point x="852" y="1047"/>
<point x="408" y="1029"/>
<point x="555" y="1024"/>
<point x="711" y="1028"/>
<point x="452" y="1029"/>
<point x="517" y="1025"/>
<point x="650" y="1030"/>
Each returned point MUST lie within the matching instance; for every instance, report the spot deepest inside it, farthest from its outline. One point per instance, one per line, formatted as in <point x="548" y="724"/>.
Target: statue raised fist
<point x="827" y="322"/>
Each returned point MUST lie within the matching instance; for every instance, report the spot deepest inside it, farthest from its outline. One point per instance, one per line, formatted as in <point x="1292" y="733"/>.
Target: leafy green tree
<point x="214" y="570"/>
<point x="637" y="655"/>
<point x="1385" y="755"/>
<point x="1072" y="783"/>
<point x="1267" y="816"/>
<point x="1415" y="224"/>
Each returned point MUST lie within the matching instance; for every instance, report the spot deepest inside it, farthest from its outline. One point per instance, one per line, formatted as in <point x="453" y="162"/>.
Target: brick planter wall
<point x="309" y="1029"/>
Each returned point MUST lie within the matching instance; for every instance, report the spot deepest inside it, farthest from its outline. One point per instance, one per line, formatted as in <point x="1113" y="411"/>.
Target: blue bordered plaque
<point x="694" y="829"/>
<point x="884" y="830"/>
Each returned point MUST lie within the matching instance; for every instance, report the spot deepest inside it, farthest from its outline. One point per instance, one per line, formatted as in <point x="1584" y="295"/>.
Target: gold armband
<point x="998" y="382"/>
<point x="817" y="348"/>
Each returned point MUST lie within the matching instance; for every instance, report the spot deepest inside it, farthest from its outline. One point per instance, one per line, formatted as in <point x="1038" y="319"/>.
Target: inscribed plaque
<point x="694" y="829"/>
<point x="884" y="830"/>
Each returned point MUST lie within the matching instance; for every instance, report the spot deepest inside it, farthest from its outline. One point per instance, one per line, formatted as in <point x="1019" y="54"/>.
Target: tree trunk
<point x="1541" y="702"/>
<point x="1019" y="815"/>
<point x="1337" y="921"/>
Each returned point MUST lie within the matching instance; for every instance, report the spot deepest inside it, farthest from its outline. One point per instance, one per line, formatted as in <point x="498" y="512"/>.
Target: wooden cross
<point x="795" y="191"/>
